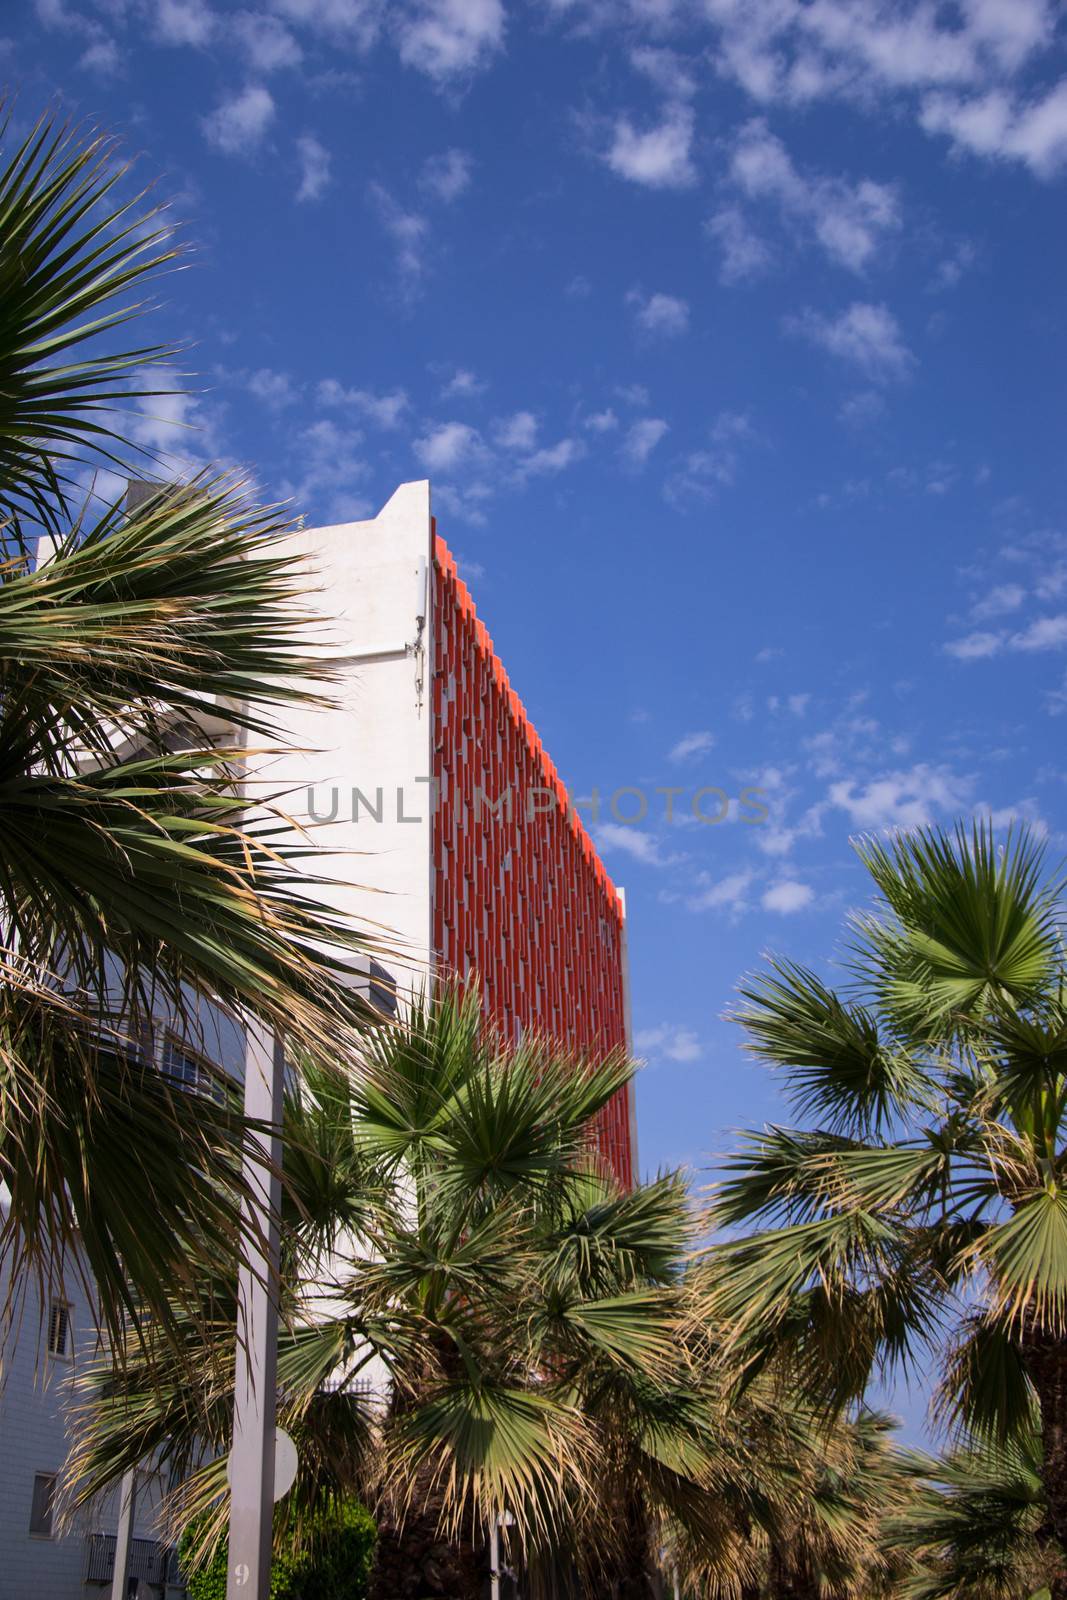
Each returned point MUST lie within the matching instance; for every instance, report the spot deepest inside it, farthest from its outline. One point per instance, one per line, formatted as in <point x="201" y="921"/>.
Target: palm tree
<point x="530" y="1332"/>
<point x="458" y="1243"/>
<point x="143" y="875"/>
<point x="972" y="1528"/>
<point x="934" y="1181"/>
<point x="820" y="1496"/>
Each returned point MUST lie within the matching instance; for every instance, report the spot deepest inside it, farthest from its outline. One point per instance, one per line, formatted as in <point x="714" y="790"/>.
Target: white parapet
<point x="360" y="778"/>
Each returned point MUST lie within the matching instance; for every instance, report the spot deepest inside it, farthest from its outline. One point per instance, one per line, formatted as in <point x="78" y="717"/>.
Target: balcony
<point x="154" y="1565"/>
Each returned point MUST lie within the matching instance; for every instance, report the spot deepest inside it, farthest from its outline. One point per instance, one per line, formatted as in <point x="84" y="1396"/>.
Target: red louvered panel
<point x="523" y="901"/>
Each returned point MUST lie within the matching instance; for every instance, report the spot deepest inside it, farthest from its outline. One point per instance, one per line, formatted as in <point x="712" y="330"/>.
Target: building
<point x="442" y="821"/>
<point x="437" y="807"/>
<point x="41" y="1357"/>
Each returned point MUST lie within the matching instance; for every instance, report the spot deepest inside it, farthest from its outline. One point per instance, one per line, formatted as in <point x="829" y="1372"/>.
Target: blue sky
<point x="732" y="336"/>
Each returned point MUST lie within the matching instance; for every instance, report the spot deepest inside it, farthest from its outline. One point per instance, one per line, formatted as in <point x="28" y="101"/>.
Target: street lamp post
<point x="505" y="1520"/>
<point x="120" y="1573"/>
<point x="255" y="1379"/>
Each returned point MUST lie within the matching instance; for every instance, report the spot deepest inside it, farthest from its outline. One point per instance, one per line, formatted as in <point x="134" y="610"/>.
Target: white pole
<point x="494" y="1560"/>
<point x="255" y="1381"/>
<point x="124" y="1535"/>
<point x="677" y="1591"/>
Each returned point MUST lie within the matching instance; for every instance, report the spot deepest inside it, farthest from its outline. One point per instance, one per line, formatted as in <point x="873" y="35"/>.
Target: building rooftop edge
<point x="517" y="711"/>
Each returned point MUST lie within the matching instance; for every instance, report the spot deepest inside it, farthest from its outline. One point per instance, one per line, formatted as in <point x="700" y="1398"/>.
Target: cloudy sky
<point x="731" y="334"/>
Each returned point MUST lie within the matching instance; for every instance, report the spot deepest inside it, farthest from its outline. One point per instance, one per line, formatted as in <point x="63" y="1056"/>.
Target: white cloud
<point x="314" y="167"/>
<point x="184" y="22"/>
<point x="670" y="1039"/>
<point x="517" y="432"/>
<point x="669" y="72"/>
<point x="631" y="841"/>
<point x="727" y="893"/>
<point x="238" y="126"/>
<point x="953" y="266"/>
<point x="448" y="445"/>
<point x="849" y="221"/>
<point x="450" y="38"/>
<point x="744" y="254"/>
<point x="658" y="157"/>
<point x="862" y="408"/>
<point x="642" y="438"/>
<point x="693" y="744"/>
<point x="705" y="471"/>
<point x="1022" y="812"/>
<point x="634" y="394"/>
<point x="1045" y="633"/>
<point x="385" y="410"/>
<point x="274" y="389"/>
<point x="902" y="799"/>
<point x="265" y="41"/>
<point x="554" y="458"/>
<point x="787" y="896"/>
<point x="54" y="14"/>
<point x="463" y="383"/>
<point x="1051" y="584"/>
<point x="466" y="504"/>
<point x="794" y="51"/>
<point x="865" y="336"/>
<point x="409" y="233"/>
<point x="996" y="124"/>
<point x="333" y="468"/>
<point x="601" y="421"/>
<point x="176" y="429"/>
<point x="660" y="313"/>
<point x="349" y="22"/>
<point x="1002" y="599"/>
<point x="447" y="175"/>
<point x="103" y="57"/>
<point x="975" y="646"/>
<point x="959" y="66"/>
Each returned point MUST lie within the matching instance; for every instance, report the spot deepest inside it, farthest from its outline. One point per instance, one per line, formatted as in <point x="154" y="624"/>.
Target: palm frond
<point x="970" y="1528"/>
<point x="984" y="1391"/>
<point x="971" y="926"/>
<point x="841" y="1069"/>
<point x="73" y="258"/>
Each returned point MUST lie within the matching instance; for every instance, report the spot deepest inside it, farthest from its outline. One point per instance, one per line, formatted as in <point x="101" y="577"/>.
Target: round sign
<point x="284" y="1464"/>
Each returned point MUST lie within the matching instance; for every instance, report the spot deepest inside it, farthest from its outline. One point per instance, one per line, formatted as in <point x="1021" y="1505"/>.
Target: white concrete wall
<point x="372" y="588"/>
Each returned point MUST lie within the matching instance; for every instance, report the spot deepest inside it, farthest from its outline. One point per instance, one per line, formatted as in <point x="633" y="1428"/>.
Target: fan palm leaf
<point x="148" y="879"/>
<point x="73" y="259"/>
<point x="938" y="1203"/>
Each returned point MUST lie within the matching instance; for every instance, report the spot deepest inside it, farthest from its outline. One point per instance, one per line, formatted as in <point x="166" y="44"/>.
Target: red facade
<point x="520" y="895"/>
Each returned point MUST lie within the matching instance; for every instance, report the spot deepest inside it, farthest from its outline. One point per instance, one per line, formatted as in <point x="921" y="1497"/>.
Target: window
<point x="59" y="1342"/>
<point x="43" y="1504"/>
<point x="382" y="989"/>
<point x="183" y="1067"/>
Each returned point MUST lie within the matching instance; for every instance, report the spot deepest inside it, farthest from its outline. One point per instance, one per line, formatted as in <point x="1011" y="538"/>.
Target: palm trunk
<point x="630" y="1572"/>
<point x="792" y="1582"/>
<point x="1044" y="1358"/>
<point x="413" y="1562"/>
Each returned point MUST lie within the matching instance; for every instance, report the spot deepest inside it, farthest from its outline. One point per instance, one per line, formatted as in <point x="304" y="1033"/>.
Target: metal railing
<point x="151" y="1562"/>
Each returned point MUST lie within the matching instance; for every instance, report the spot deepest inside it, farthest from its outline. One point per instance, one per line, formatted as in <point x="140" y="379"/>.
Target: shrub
<point x="331" y="1562"/>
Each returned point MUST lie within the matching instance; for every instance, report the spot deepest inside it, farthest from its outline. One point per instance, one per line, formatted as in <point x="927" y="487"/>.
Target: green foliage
<point x="137" y="879"/>
<point x="544" y="1340"/>
<point x="971" y="1528"/>
<point x="935" y="1184"/>
<point x="331" y="1560"/>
